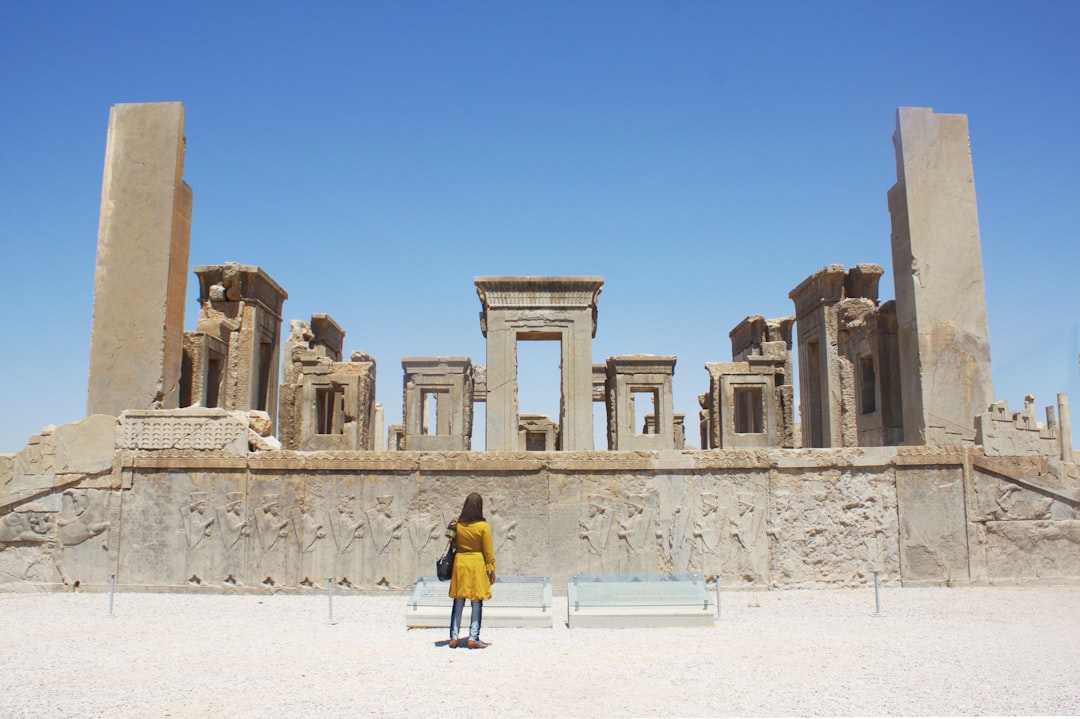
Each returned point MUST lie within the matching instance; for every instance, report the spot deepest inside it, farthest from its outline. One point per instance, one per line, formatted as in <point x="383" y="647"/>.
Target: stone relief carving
<point x="638" y="534"/>
<point x="386" y="532"/>
<point x="34" y="527"/>
<point x="77" y="521"/>
<point x="594" y="530"/>
<point x="708" y="527"/>
<point x="274" y="527"/>
<point x="235" y="525"/>
<point x="677" y="543"/>
<point x="199" y="524"/>
<point x="215" y="431"/>
<point x="425" y="530"/>
<point x="748" y="531"/>
<point x="350" y="531"/>
<point x="80" y="520"/>
<point x="503" y="529"/>
<point x="312" y="531"/>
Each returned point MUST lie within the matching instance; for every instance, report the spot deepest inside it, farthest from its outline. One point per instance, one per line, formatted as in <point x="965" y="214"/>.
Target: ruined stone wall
<point x="167" y="516"/>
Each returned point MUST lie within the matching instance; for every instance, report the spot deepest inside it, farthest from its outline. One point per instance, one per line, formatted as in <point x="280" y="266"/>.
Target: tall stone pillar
<point x="937" y="272"/>
<point x="140" y="282"/>
<point x="539" y="308"/>
<point x="1064" y="428"/>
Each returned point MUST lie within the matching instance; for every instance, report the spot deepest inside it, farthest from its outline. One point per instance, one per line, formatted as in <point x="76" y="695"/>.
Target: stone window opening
<point x="749" y="410"/>
<point x="431" y="407"/>
<point x="645" y="398"/>
<point x="867" y="385"/>
<point x="330" y="409"/>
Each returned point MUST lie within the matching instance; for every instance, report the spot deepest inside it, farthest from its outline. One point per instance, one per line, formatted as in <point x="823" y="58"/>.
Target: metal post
<point x="718" y="598"/>
<point x="330" y="599"/>
<point x="877" y="597"/>
<point x="112" y="591"/>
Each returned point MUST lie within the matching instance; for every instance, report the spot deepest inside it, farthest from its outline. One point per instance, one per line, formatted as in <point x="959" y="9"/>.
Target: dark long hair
<point x="473" y="511"/>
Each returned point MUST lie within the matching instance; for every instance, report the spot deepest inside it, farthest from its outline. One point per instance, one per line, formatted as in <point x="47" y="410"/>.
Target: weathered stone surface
<point x="259" y="422"/>
<point x="140" y="283"/>
<point x="933" y="537"/>
<point x="60" y="457"/>
<point x="634" y="379"/>
<point x="194" y="428"/>
<point x="838" y="526"/>
<point x="438" y="388"/>
<point x="241" y="305"/>
<point x="938" y="278"/>
<point x="539" y="308"/>
<point x="272" y="520"/>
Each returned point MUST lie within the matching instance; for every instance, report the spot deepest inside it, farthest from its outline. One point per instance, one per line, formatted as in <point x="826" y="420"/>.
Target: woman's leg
<point x="455" y="617"/>
<point x="477" y="616"/>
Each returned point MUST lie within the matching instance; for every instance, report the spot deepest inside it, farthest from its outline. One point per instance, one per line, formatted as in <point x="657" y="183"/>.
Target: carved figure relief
<point x="425" y="530"/>
<point x="678" y="544"/>
<point x="77" y="523"/>
<point x="235" y="525"/>
<point x="707" y="527"/>
<point x="312" y="528"/>
<point x="748" y="530"/>
<point x="274" y="527"/>
<point x="33" y="527"/>
<point x="594" y="531"/>
<point x="634" y="531"/>
<point x="350" y="530"/>
<point x="386" y="530"/>
<point x="502" y="529"/>
<point x="198" y="524"/>
<point x="708" y="534"/>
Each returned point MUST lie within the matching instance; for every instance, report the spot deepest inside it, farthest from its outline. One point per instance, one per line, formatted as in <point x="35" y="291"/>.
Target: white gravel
<point x="969" y="651"/>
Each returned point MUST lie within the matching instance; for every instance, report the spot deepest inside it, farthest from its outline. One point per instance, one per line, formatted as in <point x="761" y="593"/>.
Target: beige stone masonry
<point x="943" y="336"/>
<point x="140" y="281"/>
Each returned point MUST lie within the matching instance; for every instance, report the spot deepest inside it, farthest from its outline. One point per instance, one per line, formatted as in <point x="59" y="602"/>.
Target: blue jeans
<point x="474" y="623"/>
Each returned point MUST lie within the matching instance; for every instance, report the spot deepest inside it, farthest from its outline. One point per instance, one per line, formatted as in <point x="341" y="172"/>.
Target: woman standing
<point x="474" y="568"/>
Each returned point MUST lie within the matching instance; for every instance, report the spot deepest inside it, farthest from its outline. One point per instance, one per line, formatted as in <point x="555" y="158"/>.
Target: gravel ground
<point x="969" y="651"/>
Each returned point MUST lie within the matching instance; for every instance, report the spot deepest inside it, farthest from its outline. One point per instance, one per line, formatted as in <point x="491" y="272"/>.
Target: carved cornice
<point x="538" y="292"/>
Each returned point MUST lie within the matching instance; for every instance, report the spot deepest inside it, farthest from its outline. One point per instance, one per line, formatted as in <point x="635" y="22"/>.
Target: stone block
<point x="140" y="283"/>
<point x="944" y="350"/>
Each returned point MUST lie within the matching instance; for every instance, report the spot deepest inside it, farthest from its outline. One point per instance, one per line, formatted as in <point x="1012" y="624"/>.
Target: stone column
<point x="937" y="272"/>
<point x="1064" y="427"/>
<point x="140" y="282"/>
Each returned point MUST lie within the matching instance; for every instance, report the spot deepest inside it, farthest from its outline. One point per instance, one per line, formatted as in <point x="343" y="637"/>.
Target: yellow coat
<point x="475" y="558"/>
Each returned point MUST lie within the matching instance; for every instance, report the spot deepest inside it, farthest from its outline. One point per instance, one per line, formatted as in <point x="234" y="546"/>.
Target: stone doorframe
<point x="539" y="308"/>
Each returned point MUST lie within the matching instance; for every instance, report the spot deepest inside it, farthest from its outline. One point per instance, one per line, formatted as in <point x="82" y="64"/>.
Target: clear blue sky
<point x="373" y="158"/>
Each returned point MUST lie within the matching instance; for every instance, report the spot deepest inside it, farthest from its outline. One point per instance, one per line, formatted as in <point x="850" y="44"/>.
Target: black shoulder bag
<point x="444" y="565"/>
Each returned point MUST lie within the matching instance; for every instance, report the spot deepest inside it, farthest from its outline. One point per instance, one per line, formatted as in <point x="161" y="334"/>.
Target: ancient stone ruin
<point x="226" y="459"/>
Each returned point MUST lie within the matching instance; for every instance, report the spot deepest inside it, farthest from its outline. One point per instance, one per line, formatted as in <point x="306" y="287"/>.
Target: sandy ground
<point x="984" y="651"/>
